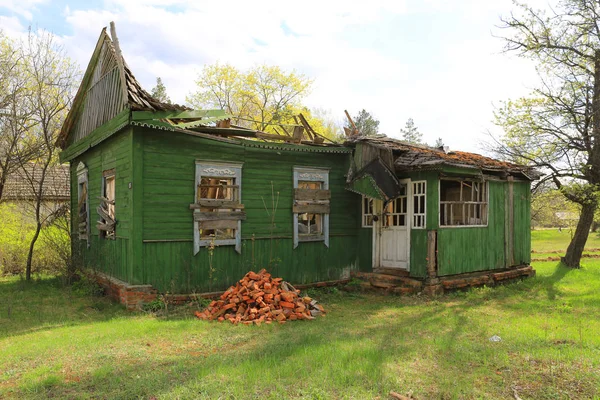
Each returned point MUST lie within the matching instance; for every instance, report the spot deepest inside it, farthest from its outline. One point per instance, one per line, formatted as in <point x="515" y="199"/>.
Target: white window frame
<point x="312" y="174"/>
<point x="364" y="214"/>
<point x="486" y="203"/>
<point x="225" y="170"/>
<point x="419" y="216"/>
<point x="83" y="178"/>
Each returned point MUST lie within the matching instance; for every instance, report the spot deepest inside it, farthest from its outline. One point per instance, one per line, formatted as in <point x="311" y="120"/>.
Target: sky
<point x="438" y="62"/>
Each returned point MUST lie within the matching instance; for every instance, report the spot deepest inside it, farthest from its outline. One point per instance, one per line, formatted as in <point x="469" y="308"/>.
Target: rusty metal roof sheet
<point x="409" y="156"/>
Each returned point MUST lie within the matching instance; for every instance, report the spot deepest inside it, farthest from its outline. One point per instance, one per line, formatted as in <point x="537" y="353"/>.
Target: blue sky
<point x="433" y="60"/>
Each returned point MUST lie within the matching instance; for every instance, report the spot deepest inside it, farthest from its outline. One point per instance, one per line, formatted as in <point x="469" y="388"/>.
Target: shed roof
<point x="56" y="184"/>
<point x="410" y="157"/>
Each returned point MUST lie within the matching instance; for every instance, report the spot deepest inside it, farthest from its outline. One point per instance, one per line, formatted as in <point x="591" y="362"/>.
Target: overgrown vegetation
<point x="16" y="230"/>
<point x="56" y="342"/>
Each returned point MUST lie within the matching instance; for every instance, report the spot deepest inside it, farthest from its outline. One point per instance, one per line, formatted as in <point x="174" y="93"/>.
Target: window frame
<point x="83" y="178"/>
<point x="365" y="215"/>
<point x="311" y="174"/>
<point x="212" y="169"/>
<point x="414" y="195"/>
<point x="486" y="203"/>
<point x="109" y="173"/>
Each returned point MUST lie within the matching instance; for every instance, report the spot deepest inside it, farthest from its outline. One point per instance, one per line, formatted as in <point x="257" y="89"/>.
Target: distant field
<point x="550" y="240"/>
<point x="56" y="342"/>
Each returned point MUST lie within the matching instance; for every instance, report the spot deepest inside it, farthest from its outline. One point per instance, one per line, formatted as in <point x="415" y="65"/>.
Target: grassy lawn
<point x="58" y="342"/>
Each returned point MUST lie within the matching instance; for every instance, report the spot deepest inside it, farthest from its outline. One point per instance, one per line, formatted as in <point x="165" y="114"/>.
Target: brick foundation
<point x="131" y="296"/>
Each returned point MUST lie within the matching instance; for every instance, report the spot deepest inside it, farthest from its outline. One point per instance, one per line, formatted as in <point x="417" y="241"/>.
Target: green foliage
<point x="159" y="92"/>
<point x="16" y="231"/>
<point x="86" y="287"/>
<point x="365" y="123"/>
<point x="550" y="208"/>
<point x="411" y="133"/>
<point x="154" y="306"/>
<point x="258" y="98"/>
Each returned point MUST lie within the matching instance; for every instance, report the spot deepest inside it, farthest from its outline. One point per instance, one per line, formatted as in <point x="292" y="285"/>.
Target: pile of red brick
<point x="259" y="298"/>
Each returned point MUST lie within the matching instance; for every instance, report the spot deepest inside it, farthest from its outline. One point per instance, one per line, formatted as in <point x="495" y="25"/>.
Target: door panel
<point x="394" y="232"/>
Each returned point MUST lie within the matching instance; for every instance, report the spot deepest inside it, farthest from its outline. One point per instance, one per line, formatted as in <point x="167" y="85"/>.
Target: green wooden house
<point x="179" y="199"/>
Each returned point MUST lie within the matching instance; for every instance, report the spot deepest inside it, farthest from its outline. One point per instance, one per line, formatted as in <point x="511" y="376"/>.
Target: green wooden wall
<point x="110" y="256"/>
<point x="522" y="222"/>
<point x="167" y="260"/>
<point x="155" y="173"/>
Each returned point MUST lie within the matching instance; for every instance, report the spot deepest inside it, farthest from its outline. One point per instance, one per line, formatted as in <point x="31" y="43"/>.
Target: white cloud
<point x="23" y="8"/>
<point x="447" y="82"/>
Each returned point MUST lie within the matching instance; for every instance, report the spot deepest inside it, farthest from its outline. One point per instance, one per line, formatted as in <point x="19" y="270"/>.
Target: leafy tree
<point x="159" y="92"/>
<point x="411" y="133"/>
<point x="258" y="98"/>
<point x="439" y="143"/>
<point x="365" y="123"/>
<point x="40" y="85"/>
<point x="557" y="128"/>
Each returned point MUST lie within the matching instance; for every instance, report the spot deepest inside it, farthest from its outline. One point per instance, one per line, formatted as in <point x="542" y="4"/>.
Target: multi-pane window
<point x="463" y="202"/>
<point x="107" y="225"/>
<point x="394" y="213"/>
<point x="218" y="210"/>
<point x="367" y="212"/>
<point x="419" y="190"/>
<point x="311" y="205"/>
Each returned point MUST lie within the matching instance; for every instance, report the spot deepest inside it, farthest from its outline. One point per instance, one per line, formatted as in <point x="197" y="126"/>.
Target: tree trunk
<point x="573" y="256"/>
<point x="595" y="226"/>
<point x="38" y="228"/>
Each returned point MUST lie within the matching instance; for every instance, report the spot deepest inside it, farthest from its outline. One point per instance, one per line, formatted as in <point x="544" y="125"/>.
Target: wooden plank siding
<point x="522" y="222"/>
<point x="168" y="161"/>
<point x="470" y="249"/>
<point x="109" y="256"/>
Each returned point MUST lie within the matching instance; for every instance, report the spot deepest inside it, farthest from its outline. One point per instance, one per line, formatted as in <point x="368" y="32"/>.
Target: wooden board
<point x="312" y="194"/>
<point x="222" y="224"/>
<point x="219" y="216"/>
<point x="216" y="204"/>
<point x="311" y="208"/>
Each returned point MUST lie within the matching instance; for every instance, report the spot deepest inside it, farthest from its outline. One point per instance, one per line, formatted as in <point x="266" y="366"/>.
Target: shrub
<point x="52" y="250"/>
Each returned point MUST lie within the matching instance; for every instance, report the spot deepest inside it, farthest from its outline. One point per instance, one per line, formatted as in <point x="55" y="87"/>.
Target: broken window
<point x="367" y="212"/>
<point x="311" y="205"/>
<point x="463" y="202"/>
<point x="218" y="210"/>
<point x="83" y="209"/>
<point x="106" y="209"/>
<point x="419" y="190"/>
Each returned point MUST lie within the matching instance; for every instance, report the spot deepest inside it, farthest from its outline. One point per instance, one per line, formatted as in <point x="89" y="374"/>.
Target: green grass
<point x="548" y="240"/>
<point x="59" y="343"/>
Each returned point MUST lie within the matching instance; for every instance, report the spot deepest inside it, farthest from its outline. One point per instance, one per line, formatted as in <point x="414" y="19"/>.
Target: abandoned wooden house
<point x="177" y="200"/>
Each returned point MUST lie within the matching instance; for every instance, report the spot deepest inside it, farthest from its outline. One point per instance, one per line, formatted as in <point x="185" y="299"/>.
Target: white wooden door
<point x="392" y="236"/>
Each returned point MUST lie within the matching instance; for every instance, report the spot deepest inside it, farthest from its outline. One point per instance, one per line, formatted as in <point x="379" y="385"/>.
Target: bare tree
<point x="51" y="80"/>
<point x="558" y="128"/>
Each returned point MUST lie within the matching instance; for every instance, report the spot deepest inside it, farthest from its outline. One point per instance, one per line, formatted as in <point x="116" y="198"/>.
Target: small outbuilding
<point x="175" y="200"/>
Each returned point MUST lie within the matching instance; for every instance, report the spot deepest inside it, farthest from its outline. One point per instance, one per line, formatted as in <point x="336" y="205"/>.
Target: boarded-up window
<point x="463" y="202"/>
<point x="367" y="212"/>
<point x="218" y="210"/>
<point x="106" y="210"/>
<point x="83" y="208"/>
<point x="419" y="190"/>
<point x="311" y="205"/>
